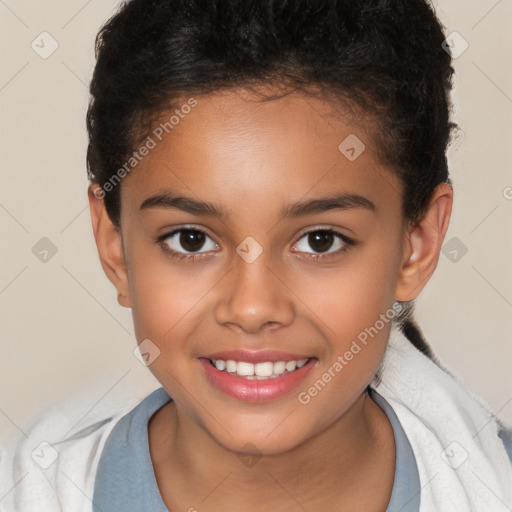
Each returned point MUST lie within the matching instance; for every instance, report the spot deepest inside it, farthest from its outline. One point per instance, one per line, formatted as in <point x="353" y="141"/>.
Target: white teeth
<point x="258" y="371"/>
<point x="244" y="368"/>
<point x="231" y="366"/>
<point x="264" y="369"/>
<point x="279" y="367"/>
<point x="290" y="365"/>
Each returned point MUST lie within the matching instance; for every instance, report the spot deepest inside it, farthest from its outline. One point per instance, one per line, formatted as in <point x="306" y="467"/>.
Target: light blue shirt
<point x="125" y="480"/>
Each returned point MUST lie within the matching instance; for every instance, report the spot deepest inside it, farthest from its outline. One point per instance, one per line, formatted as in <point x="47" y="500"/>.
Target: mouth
<point x="258" y="371"/>
<point x="260" y="381"/>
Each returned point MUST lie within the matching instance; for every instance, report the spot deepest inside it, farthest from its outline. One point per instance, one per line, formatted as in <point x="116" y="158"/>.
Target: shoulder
<point x="52" y="464"/>
<point x="125" y="478"/>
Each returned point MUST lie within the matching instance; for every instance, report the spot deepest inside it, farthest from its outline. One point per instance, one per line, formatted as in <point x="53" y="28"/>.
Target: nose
<point x="254" y="297"/>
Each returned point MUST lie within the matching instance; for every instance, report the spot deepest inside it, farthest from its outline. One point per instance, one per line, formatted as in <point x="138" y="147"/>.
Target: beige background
<point x="62" y="330"/>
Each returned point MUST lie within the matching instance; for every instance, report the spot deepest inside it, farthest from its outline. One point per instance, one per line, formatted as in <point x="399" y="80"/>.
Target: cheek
<point x="163" y="309"/>
<point x="171" y="302"/>
<point x="163" y="296"/>
<point x="351" y="297"/>
<point x="355" y="308"/>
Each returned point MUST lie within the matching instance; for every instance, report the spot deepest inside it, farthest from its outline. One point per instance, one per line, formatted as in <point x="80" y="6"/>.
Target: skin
<point x="241" y="155"/>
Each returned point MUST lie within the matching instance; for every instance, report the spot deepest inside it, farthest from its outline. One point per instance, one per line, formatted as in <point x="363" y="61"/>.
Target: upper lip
<point x="259" y="356"/>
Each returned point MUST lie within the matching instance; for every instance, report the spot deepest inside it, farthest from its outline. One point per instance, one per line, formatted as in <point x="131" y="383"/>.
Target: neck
<point x="340" y="460"/>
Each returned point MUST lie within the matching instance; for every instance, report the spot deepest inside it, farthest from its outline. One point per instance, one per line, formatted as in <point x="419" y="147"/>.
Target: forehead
<point x="232" y="145"/>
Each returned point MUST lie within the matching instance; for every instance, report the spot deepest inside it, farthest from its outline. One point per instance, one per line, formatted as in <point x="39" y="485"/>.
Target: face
<point x="273" y="280"/>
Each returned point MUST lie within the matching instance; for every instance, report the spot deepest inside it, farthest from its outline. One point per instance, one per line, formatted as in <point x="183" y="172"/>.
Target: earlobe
<point x="423" y="244"/>
<point x="110" y="245"/>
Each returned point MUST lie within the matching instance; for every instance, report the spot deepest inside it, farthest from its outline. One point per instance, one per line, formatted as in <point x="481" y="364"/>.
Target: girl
<point x="269" y="194"/>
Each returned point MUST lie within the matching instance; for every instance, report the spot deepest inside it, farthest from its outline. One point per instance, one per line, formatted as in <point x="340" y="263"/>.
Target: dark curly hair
<point x="384" y="57"/>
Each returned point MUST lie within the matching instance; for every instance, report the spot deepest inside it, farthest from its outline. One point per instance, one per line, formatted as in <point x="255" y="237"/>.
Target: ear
<point x="110" y="245"/>
<point x="423" y="244"/>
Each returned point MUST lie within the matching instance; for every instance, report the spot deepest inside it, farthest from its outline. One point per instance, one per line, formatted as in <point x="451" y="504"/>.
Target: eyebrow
<point x="340" y="201"/>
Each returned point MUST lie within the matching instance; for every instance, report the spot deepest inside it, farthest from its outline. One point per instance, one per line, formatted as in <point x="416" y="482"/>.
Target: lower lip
<point x="255" y="390"/>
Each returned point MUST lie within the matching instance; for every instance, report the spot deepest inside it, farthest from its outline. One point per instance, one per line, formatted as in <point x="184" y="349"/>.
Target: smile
<point x="256" y="382"/>
<point x="259" y="371"/>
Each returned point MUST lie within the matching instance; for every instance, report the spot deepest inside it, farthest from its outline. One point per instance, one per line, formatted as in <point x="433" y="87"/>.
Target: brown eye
<point x="186" y="240"/>
<point x="191" y="240"/>
<point x="321" y="241"/>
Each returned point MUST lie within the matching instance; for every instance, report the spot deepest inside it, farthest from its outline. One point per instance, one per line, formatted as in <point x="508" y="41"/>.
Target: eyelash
<point x="315" y="257"/>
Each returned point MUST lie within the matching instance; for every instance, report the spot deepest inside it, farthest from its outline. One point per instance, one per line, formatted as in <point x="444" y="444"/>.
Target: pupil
<point x="320" y="241"/>
<point x="191" y="240"/>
